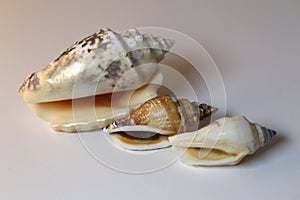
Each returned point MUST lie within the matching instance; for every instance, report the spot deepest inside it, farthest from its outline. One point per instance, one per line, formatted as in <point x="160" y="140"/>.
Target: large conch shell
<point x="102" y="63"/>
<point x="149" y="126"/>
<point x="224" y="142"/>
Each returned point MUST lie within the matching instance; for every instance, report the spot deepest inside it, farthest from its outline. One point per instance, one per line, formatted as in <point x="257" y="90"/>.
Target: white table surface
<point x="256" y="47"/>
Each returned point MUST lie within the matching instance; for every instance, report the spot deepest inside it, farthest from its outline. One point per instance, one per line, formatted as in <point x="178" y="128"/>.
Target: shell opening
<point x="140" y="140"/>
<point x="209" y="154"/>
<point x="92" y="112"/>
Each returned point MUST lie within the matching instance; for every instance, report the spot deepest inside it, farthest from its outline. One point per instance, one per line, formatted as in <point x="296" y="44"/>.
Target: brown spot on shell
<point x="135" y="56"/>
<point x="206" y="110"/>
<point x="31" y="82"/>
<point x="68" y="51"/>
<point x="104" y="45"/>
<point x="113" y="70"/>
<point x="90" y="40"/>
<point x="100" y="67"/>
<point x="59" y="63"/>
<point x="35" y="81"/>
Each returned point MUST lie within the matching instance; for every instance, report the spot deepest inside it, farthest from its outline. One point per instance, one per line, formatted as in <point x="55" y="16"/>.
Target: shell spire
<point x="206" y="110"/>
<point x="264" y="134"/>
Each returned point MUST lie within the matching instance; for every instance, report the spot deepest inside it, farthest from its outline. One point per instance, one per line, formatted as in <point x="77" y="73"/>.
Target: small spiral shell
<point x="166" y="114"/>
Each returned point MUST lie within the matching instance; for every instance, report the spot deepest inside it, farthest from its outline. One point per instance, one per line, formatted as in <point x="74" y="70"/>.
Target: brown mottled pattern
<point x="161" y="112"/>
<point x="62" y="61"/>
<point x="66" y="56"/>
<point x="32" y="82"/>
<point x="90" y="40"/>
<point x="168" y="115"/>
<point x="113" y="70"/>
<point x="85" y="61"/>
<point x="206" y="111"/>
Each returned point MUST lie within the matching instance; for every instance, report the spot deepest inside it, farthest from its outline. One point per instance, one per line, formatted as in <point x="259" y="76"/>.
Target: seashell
<point x="102" y="63"/>
<point x="224" y="142"/>
<point x="161" y="115"/>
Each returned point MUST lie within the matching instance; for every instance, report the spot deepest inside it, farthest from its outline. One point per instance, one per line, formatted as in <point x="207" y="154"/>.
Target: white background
<point x="256" y="47"/>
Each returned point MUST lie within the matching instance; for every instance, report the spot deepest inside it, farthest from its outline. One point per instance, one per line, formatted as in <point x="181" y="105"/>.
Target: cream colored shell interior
<point x="90" y="113"/>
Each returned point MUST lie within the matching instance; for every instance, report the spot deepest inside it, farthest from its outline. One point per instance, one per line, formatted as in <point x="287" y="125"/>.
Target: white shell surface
<point x="98" y="64"/>
<point x="224" y="142"/>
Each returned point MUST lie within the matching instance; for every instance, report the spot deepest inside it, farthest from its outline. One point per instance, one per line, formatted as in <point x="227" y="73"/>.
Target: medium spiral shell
<point x="224" y="142"/>
<point x="167" y="115"/>
<point x="149" y="126"/>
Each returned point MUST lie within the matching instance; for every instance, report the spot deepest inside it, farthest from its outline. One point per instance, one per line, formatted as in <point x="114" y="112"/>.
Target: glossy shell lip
<point x="142" y="139"/>
<point x="140" y="128"/>
<point x="138" y="138"/>
<point x="94" y="112"/>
